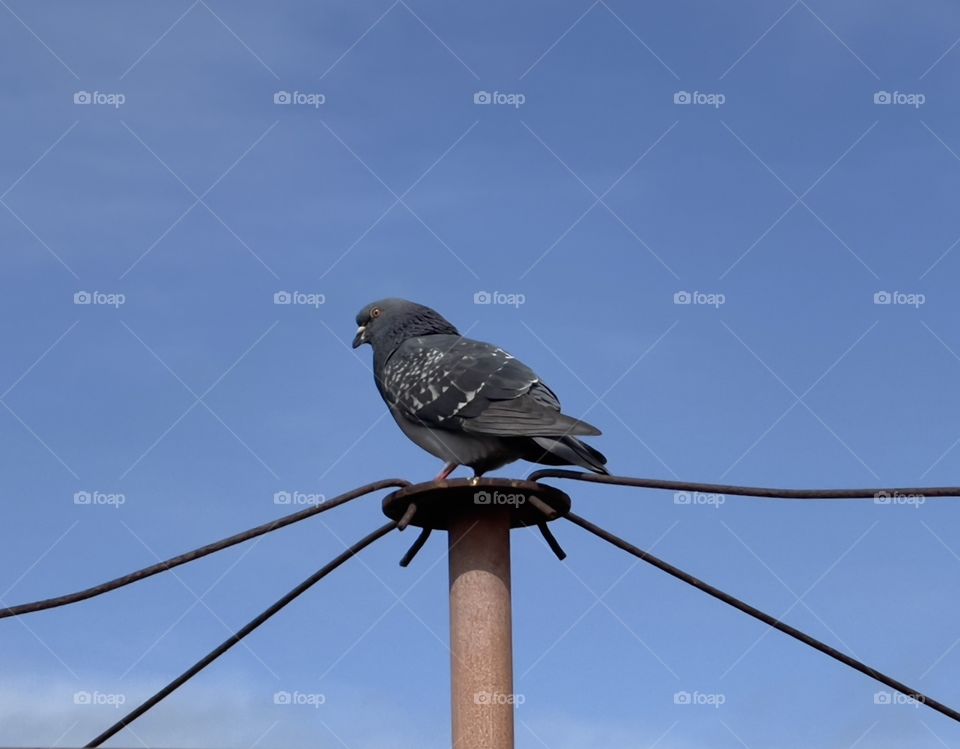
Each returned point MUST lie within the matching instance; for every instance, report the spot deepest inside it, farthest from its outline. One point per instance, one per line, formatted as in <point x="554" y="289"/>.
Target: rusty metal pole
<point x="478" y="514"/>
<point x="481" y="636"/>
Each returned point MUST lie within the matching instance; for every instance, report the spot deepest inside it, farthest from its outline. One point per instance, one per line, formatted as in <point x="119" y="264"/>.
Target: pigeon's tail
<point x="563" y="451"/>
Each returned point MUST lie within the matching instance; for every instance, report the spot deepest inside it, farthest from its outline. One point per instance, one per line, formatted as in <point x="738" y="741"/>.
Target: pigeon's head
<point x="388" y="323"/>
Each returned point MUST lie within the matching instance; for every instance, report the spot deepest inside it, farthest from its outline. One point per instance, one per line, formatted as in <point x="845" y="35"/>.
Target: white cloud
<point x="218" y="714"/>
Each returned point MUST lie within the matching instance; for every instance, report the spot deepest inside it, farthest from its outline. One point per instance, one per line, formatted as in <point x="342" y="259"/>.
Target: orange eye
<point x="375" y="312"/>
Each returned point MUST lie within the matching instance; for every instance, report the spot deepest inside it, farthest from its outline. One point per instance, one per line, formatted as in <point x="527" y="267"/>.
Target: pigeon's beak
<point x="358" y="339"/>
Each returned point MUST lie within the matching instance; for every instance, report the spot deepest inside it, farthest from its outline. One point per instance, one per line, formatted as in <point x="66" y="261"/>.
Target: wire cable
<point x="763" y="617"/>
<point x="928" y="492"/>
<point x="243" y="632"/>
<point x="82" y="595"/>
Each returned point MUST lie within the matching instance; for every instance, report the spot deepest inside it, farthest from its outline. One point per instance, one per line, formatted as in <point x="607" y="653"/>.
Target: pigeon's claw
<point x="447" y="470"/>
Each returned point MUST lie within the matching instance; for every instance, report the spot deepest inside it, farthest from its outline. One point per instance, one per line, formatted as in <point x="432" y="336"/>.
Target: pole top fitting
<point x="433" y="504"/>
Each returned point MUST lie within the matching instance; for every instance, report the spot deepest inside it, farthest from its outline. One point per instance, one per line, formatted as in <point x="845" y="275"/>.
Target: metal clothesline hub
<point x="435" y="504"/>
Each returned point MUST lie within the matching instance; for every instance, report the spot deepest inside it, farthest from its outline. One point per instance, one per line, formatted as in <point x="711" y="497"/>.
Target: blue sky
<point x="802" y="202"/>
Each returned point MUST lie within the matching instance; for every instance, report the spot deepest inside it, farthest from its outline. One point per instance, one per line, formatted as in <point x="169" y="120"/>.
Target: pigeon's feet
<point x="447" y="470"/>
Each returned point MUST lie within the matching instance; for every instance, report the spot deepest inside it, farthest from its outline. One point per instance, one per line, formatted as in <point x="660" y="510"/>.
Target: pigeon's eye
<point x="374" y="313"/>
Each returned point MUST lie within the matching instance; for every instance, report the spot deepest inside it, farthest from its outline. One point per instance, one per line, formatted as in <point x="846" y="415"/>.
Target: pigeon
<point x="466" y="402"/>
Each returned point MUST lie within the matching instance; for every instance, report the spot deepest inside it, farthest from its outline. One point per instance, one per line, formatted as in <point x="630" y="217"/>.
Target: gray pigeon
<point x="466" y="402"/>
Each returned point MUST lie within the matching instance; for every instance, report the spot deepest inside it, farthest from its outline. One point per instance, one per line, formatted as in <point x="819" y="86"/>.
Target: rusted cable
<point x="891" y="494"/>
<point x="763" y="617"/>
<point x="82" y="595"/>
<point x="243" y="632"/>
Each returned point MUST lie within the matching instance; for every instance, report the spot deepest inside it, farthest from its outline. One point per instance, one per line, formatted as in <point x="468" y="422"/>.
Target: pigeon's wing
<point x="448" y="382"/>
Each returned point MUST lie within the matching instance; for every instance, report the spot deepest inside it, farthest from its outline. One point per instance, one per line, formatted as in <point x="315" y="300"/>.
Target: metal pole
<point x="481" y="637"/>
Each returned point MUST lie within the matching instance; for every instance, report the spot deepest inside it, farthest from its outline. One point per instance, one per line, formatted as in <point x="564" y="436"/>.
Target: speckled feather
<point x="451" y="382"/>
